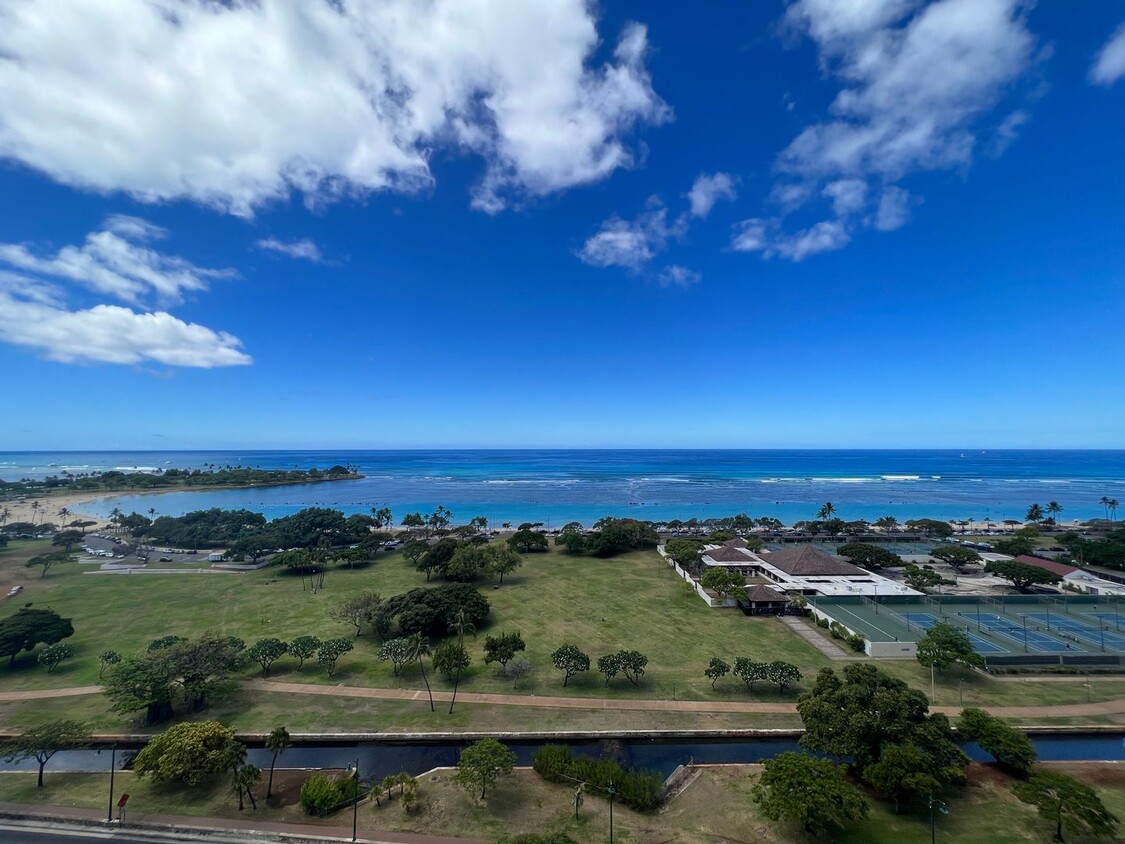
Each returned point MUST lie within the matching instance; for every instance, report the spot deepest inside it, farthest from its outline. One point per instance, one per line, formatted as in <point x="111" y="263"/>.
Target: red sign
<point x="124" y="799"/>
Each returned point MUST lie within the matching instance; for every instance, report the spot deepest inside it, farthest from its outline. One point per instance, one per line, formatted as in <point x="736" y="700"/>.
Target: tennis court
<point x="981" y="645"/>
<point x="1019" y="633"/>
<point x="1080" y="629"/>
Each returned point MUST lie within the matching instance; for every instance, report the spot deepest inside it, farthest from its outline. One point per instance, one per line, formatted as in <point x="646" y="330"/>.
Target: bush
<point x="637" y="789"/>
<point x="856" y="642"/>
<point x="822" y="622"/>
<point x="320" y="794"/>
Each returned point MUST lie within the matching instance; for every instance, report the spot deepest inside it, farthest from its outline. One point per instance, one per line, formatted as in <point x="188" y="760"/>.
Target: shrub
<point x="319" y="795"/>
<point x="856" y="642"/>
<point x="822" y="622"/>
<point x="638" y="789"/>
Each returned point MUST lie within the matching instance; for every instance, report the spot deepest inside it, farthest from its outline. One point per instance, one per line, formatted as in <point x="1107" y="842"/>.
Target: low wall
<point x="876" y="650"/>
<point x="724" y="603"/>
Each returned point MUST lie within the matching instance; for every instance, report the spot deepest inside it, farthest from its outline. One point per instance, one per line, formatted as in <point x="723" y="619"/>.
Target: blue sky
<point x="489" y="223"/>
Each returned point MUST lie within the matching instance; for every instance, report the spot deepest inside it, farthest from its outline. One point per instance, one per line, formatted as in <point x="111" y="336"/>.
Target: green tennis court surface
<point x="1011" y="626"/>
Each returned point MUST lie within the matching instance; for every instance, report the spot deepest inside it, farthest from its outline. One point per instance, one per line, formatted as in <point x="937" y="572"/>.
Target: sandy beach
<point x="21" y="509"/>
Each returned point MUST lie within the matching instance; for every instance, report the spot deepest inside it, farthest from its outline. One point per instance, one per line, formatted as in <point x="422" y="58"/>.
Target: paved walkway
<point x="145" y="822"/>
<point x="1105" y="707"/>
<point x="822" y="643"/>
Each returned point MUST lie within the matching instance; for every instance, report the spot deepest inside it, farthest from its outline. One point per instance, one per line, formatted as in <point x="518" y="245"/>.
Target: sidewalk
<point x="183" y="826"/>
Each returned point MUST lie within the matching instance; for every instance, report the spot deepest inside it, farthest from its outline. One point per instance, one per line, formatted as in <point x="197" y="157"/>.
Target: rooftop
<point x="1061" y="569"/>
<point x="806" y="561"/>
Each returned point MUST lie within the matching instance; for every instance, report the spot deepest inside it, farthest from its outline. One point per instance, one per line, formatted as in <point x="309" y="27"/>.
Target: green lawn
<point x="633" y="601"/>
<point x="716" y="807"/>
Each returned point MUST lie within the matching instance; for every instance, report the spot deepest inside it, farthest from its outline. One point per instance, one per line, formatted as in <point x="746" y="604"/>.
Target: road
<point x="23" y="835"/>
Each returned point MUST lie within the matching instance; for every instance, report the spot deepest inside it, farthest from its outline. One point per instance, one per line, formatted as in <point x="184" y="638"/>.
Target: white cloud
<point x="34" y="310"/>
<point x="675" y="275"/>
<point x="915" y="76"/>
<point x="893" y="211"/>
<point x="235" y="104"/>
<point x="765" y="236"/>
<point x="304" y="249"/>
<point x="709" y="189"/>
<point x="113" y="334"/>
<point x="114" y="261"/>
<point x="848" y="196"/>
<point x="1109" y="66"/>
<point x="632" y="243"/>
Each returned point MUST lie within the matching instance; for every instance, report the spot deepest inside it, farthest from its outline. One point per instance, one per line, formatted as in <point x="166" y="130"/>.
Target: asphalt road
<point x="22" y="835"/>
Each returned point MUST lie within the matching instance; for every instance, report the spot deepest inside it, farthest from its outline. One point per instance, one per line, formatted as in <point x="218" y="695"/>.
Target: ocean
<point x="558" y="486"/>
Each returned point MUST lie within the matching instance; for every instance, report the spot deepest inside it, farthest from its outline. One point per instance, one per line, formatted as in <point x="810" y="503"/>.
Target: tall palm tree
<point x="461" y="625"/>
<point x="1054" y="508"/>
<point x="244" y="778"/>
<point x="276" y="742"/>
<point x="827" y="511"/>
<point x="152" y="514"/>
<point x="5" y="514"/>
<point x="64" y="514"/>
<point x="1105" y="503"/>
<point x="419" y="649"/>
<point x="116" y="516"/>
<point x="1113" y="502"/>
<point x="35" y="508"/>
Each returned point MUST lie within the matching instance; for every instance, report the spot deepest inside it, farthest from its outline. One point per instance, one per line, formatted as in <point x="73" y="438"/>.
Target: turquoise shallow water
<point x="556" y="486"/>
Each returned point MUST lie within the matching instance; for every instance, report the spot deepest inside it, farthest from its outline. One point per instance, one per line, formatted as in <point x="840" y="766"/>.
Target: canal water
<point x="377" y="760"/>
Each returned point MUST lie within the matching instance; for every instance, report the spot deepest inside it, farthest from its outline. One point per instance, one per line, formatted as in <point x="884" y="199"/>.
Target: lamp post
<point x="933" y="822"/>
<point x="611" y="791"/>
<point x="112" y="768"/>
<point x="355" y="798"/>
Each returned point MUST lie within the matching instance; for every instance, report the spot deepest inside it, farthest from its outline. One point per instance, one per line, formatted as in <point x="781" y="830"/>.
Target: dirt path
<point x="1105" y="707"/>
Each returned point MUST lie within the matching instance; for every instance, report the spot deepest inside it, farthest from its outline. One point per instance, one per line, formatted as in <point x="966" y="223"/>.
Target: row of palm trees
<point x="1110" y="505"/>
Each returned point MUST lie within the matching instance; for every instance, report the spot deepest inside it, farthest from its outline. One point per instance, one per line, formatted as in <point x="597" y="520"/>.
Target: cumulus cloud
<point x="709" y="189"/>
<point x="631" y="243"/>
<point x="675" y="275"/>
<point x="767" y="237"/>
<point x="303" y="249"/>
<point x="114" y="334"/>
<point x="113" y="261"/>
<point x="116" y="261"/>
<point x="239" y="103"/>
<point x="915" y="79"/>
<point x="1109" y="66"/>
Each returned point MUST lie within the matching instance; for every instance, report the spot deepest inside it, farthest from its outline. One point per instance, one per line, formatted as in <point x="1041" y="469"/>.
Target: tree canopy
<point x="1009" y="746"/>
<point x="943" y="645"/>
<point x="814" y="793"/>
<point x="44" y="741"/>
<point x="190" y="753"/>
<point x="483" y="763"/>
<point x="869" y="556"/>
<point x="1065" y="801"/>
<point x="1022" y="575"/>
<point x="29" y="627"/>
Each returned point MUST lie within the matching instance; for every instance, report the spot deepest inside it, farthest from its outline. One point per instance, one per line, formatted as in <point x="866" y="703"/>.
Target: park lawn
<point x="633" y="601"/>
<point x="716" y="806"/>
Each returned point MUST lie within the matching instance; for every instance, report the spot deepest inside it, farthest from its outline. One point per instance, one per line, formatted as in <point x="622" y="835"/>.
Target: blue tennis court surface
<point x="926" y="620"/>
<point x="1079" y="629"/>
<point x="1019" y="633"/>
<point x="1109" y="617"/>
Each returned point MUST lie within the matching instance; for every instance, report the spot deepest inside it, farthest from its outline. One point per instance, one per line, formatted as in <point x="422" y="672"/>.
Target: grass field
<point x="716" y="807"/>
<point x="633" y="601"/>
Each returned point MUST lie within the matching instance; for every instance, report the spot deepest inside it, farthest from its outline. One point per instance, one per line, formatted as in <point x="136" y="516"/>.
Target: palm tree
<point x="5" y="514"/>
<point x="152" y="514"/>
<point x="1105" y="503"/>
<point x="887" y="523"/>
<point x="276" y="742"/>
<point x="1113" y="502"/>
<point x="419" y="649"/>
<point x="1054" y="508"/>
<point x="116" y="516"/>
<point x="827" y="511"/>
<point x="461" y="625"/>
<point x="35" y="508"/>
<point x="64" y="514"/>
<point x="244" y="778"/>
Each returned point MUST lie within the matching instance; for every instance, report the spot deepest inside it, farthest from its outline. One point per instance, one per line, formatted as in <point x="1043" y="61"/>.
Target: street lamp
<point x="612" y="792"/>
<point x="355" y="797"/>
<point x="112" y="770"/>
<point x="933" y="823"/>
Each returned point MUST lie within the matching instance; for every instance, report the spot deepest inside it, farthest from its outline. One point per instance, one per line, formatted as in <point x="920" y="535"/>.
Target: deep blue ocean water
<point x="557" y="486"/>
